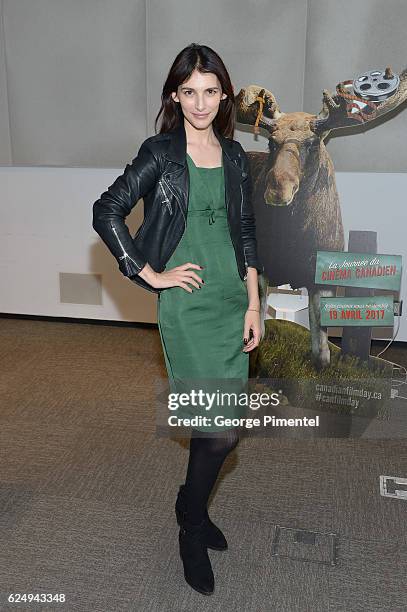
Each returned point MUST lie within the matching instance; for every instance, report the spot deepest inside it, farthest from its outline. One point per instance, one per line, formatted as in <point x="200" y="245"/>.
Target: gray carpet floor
<point x="87" y="491"/>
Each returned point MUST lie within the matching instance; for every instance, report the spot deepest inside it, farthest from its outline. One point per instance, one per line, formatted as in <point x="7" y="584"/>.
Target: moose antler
<point x="257" y="106"/>
<point x="347" y="109"/>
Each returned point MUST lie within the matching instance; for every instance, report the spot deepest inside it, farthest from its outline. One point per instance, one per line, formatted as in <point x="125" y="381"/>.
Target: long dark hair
<point x="204" y="59"/>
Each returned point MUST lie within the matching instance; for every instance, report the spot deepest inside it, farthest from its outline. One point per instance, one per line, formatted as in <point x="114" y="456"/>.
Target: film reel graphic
<point x="363" y="94"/>
<point x="376" y="85"/>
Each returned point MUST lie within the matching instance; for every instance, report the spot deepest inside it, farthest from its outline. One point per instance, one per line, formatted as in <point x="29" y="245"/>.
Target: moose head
<point x="296" y="140"/>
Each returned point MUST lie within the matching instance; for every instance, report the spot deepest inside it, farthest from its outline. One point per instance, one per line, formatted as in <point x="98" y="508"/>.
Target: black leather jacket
<point x="159" y="174"/>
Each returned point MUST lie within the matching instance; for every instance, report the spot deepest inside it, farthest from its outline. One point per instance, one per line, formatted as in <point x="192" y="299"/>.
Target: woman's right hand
<point x="178" y="277"/>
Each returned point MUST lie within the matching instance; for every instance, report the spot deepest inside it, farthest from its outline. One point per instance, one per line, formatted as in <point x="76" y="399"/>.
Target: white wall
<point x="46" y="228"/>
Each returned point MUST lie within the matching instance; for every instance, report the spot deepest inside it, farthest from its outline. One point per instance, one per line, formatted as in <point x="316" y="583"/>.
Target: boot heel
<point x="194" y="554"/>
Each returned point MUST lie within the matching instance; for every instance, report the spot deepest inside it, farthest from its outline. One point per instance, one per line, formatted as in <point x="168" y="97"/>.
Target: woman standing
<point x="197" y="249"/>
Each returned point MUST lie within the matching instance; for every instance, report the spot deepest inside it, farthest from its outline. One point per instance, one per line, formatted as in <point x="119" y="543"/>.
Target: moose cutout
<point x="295" y="181"/>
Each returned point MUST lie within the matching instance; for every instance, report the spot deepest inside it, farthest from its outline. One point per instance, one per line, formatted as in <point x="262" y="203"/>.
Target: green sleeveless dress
<point x="202" y="332"/>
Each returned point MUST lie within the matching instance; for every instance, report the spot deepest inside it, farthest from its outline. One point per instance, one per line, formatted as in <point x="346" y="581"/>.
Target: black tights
<point x="206" y="456"/>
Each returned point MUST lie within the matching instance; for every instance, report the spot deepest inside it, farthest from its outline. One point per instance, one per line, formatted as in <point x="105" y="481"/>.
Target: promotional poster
<point x="203" y="355"/>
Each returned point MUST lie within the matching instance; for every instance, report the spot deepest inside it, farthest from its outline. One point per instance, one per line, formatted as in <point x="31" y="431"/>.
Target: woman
<point x="197" y="249"/>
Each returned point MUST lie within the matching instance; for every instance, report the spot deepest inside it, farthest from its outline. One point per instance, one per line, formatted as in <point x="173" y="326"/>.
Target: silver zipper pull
<point x="166" y="200"/>
<point x="176" y="197"/>
<point x="122" y="248"/>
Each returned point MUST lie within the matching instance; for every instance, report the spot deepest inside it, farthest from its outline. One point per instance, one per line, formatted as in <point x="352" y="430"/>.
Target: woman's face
<point x="199" y="98"/>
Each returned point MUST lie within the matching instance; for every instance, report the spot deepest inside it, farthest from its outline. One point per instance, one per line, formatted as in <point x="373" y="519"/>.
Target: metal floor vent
<point x="304" y="545"/>
<point x="393" y="486"/>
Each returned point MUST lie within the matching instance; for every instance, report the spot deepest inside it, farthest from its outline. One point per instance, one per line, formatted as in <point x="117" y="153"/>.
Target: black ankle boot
<point x="214" y="538"/>
<point x="194" y="554"/>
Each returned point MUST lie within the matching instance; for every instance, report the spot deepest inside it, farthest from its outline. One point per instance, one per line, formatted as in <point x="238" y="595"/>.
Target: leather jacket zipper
<point x="245" y="262"/>
<point x="241" y="213"/>
<point x="230" y="230"/>
<point x="122" y="248"/>
<point x="166" y="200"/>
<point x="175" y="196"/>
<point x="180" y="207"/>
